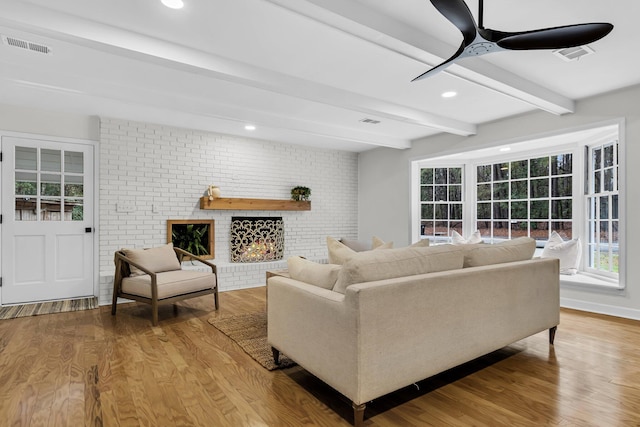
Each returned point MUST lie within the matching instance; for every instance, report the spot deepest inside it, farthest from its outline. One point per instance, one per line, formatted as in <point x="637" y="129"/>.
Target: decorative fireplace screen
<point x="257" y="239"/>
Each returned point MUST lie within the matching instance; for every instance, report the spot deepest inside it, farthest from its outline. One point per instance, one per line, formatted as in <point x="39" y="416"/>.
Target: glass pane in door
<point x="50" y="209"/>
<point x="73" y="162"/>
<point x="26" y="158"/>
<point x="50" y="160"/>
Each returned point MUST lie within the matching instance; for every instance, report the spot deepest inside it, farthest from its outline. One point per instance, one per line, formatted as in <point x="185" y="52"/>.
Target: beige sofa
<point x="382" y="335"/>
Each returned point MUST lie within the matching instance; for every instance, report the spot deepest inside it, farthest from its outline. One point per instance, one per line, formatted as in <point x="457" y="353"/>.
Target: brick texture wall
<point x="150" y="173"/>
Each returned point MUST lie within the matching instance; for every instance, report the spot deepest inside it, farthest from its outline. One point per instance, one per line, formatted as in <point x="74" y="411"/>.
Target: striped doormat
<point x="36" y="309"/>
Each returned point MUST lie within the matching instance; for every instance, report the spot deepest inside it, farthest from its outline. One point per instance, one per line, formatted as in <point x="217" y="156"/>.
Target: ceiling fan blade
<point x="556" y="38"/>
<point x="441" y="66"/>
<point x="457" y="12"/>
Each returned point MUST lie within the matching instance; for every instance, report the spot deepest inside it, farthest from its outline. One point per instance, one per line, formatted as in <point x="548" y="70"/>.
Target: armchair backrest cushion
<point x="157" y="260"/>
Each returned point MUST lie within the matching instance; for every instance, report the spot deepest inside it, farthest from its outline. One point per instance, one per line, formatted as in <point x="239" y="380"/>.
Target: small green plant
<point x="300" y="193"/>
<point x="192" y="238"/>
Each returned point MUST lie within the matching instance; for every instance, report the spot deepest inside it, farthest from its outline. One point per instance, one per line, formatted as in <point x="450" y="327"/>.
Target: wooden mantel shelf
<point x="238" y="204"/>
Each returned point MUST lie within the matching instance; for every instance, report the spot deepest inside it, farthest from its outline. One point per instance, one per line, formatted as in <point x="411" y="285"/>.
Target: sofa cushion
<point x="339" y="253"/>
<point x="457" y="239"/>
<point x="379" y="265"/>
<point x="322" y="275"/>
<point x="159" y="259"/>
<point x="170" y="283"/>
<point x="519" y="249"/>
<point x="568" y="253"/>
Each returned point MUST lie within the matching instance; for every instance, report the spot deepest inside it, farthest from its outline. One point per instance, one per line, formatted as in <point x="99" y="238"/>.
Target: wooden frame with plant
<point x="196" y="236"/>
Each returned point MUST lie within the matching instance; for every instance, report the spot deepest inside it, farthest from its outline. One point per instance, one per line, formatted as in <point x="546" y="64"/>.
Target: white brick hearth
<point x="151" y="173"/>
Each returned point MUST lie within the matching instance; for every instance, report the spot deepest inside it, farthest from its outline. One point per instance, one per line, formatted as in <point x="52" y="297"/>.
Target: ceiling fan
<point x="479" y="40"/>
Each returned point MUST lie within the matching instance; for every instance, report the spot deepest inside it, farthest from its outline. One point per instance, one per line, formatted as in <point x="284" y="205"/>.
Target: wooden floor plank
<point x="90" y="368"/>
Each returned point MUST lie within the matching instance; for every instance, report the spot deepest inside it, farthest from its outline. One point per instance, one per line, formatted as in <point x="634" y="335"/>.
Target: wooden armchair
<point x="155" y="276"/>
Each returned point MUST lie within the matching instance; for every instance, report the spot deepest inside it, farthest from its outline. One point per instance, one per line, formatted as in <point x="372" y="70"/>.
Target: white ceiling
<point x="302" y="71"/>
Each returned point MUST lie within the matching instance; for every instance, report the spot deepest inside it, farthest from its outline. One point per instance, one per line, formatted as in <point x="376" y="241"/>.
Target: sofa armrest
<point x="314" y="327"/>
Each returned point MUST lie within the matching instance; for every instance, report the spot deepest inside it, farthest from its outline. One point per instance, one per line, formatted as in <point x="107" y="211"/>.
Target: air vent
<point x="25" y="44"/>
<point x="370" y="121"/>
<point x="573" y="53"/>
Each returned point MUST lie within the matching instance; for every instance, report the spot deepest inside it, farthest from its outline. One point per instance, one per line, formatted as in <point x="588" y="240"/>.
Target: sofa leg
<point x="358" y="414"/>
<point x="276" y="355"/>
<point x="552" y="334"/>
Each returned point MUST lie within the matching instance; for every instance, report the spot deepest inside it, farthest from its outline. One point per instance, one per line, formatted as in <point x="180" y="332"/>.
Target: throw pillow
<point x="339" y="253"/>
<point x="378" y="243"/>
<point x="157" y="260"/>
<point x="379" y="265"/>
<point x="519" y="249"/>
<point x="457" y="239"/>
<point x="568" y="253"/>
<point x="359" y="246"/>
<point x="422" y="243"/>
<point x="322" y="275"/>
<point x="356" y="245"/>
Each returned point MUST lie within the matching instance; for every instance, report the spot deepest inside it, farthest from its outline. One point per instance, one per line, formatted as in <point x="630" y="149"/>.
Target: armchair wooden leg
<point x="216" y="298"/>
<point x="552" y="334"/>
<point x="154" y="312"/>
<point x="114" y="302"/>
<point x="358" y="414"/>
<point x="276" y="355"/>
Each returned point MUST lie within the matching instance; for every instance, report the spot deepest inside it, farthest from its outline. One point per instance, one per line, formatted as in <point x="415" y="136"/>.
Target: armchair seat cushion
<point x="170" y="283"/>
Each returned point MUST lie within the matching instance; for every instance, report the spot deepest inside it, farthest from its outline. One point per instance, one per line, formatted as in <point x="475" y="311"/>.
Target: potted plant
<point x="300" y="193"/>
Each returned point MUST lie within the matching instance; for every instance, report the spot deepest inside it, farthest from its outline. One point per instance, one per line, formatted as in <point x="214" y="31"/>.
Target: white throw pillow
<point x="568" y="252"/>
<point x="457" y="239"/>
<point x="322" y="275"/>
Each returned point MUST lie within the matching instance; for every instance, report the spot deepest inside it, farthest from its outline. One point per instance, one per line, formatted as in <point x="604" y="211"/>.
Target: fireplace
<point x="257" y="239"/>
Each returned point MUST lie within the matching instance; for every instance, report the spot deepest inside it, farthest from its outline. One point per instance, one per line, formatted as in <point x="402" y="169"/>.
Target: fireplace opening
<point x="257" y="239"/>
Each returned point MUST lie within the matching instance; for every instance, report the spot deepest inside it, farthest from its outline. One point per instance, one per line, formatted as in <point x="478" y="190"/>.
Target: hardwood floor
<point x="89" y="368"/>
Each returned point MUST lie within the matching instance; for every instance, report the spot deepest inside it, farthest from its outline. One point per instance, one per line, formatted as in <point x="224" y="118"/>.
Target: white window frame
<point x="463" y="200"/>
<point x="587" y="194"/>
<point x="528" y="155"/>
<point x="569" y="141"/>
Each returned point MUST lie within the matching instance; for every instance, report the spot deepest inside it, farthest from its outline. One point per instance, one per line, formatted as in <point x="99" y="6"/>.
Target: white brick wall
<point x="145" y="165"/>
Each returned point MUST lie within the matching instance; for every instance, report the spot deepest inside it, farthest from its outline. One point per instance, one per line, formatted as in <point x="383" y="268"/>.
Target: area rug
<point x="36" y="309"/>
<point x="249" y="331"/>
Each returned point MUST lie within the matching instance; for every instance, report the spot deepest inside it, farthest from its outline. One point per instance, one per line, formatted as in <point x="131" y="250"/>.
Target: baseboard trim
<point x="593" y="307"/>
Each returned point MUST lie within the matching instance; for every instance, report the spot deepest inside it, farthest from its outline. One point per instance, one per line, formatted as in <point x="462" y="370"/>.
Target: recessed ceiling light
<point x="250" y="127"/>
<point x="505" y="149"/>
<point x="449" y="94"/>
<point x="173" y="4"/>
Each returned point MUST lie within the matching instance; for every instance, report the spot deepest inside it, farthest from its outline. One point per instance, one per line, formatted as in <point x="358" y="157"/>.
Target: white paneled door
<point x="47" y="220"/>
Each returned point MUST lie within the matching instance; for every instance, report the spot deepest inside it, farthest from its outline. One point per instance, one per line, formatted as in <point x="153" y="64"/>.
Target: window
<point x="440" y="202"/>
<point x="525" y="197"/>
<point x="602" y="208"/>
<point x="571" y="183"/>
